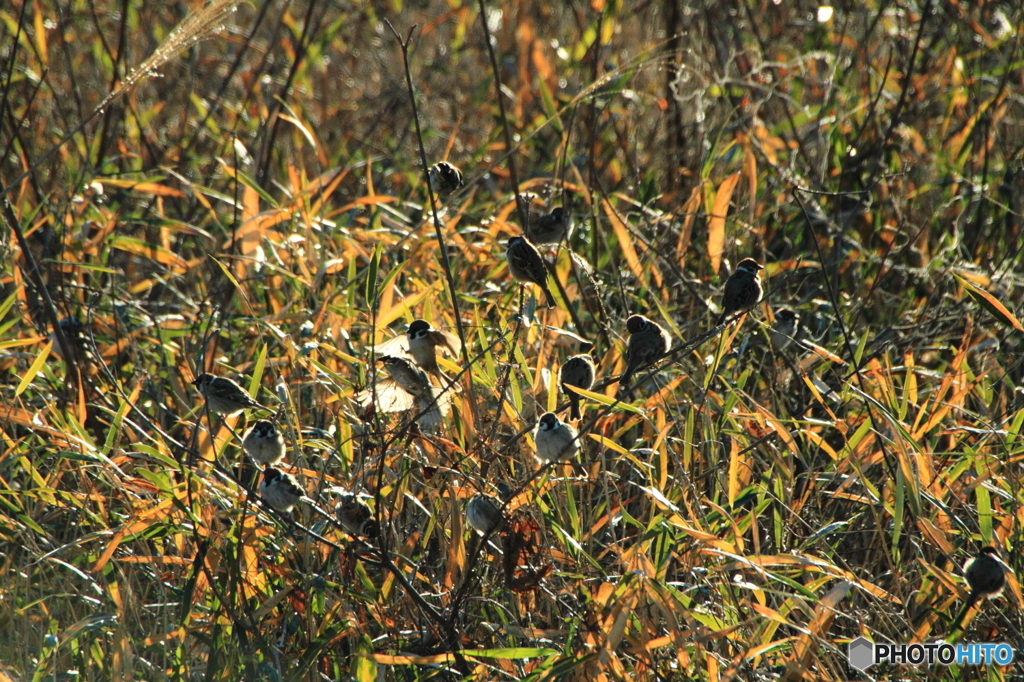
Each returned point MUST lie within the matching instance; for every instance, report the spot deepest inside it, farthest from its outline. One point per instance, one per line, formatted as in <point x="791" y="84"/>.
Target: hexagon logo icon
<point x="861" y="653"/>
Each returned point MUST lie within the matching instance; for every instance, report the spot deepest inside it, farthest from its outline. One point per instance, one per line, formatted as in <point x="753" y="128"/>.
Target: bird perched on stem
<point x="264" y="443"/>
<point x="783" y="332"/>
<point x="742" y="289"/>
<point x="553" y="228"/>
<point x="555" y="440"/>
<point x="527" y="266"/>
<point x="577" y="371"/>
<point x="355" y="516"/>
<point x="483" y="513"/>
<point x="986" y="576"/>
<point x="280" y="490"/>
<point x="444" y="178"/>
<point x="648" y="342"/>
<point x="421" y="342"/>
<point x="224" y="396"/>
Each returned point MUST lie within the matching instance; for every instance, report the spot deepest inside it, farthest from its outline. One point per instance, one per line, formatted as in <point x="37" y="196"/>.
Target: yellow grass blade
<point x="33" y="369"/>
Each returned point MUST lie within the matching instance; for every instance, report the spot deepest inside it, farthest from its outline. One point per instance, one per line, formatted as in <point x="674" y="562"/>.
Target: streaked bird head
<point x="484" y="513"/>
<point x="444" y="177"/>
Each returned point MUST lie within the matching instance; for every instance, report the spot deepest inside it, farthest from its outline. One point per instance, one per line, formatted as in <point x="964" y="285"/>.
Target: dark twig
<point x="524" y="214"/>
<point x="844" y="330"/>
<point x="37" y="280"/>
<point x="897" y="114"/>
<point x="442" y="247"/>
<point x="188" y="32"/>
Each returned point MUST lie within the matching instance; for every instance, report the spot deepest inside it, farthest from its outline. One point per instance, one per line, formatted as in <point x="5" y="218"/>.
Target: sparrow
<point x="280" y="490"/>
<point x="577" y="371"/>
<point x="526" y="265"/>
<point x="421" y="341"/>
<point x="355" y="516"/>
<point x="986" y="576"/>
<point x="648" y="341"/>
<point x="484" y="514"/>
<point x="444" y="178"/>
<point x="742" y="289"/>
<point x="555" y="440"/>
<point x="782" y="333"/>
<point x="224" y="396"/>
<point x="408" y="387"/>
<point x="553" y="228"/>
<point x="264" y="443"/>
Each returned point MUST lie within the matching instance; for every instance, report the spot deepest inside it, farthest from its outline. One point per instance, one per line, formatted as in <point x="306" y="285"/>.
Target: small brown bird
<point x="444" y="178"/>
<point x="483" y="513"/>
<point x="355" y="516"/>
<point x="648" y="341"/>
<point x="553" y="228"/>
<point x="421" y="342"/>
<point x="742" y="289"/>
<point x="408" y="387"/>
<point x="224" y="396"/>
<point x="264" y="443"/>
<point x="555" y="440"/>
<point x="280" y="490"/>
<point x="527" y="266"/>
<point x="391" y="396"/>
<point x="783" y="332"/>
<point x="577" y="371"/>
<point x="986" y="576"/>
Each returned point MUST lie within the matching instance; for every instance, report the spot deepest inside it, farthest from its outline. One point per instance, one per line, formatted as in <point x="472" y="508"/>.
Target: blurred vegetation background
<point x="251" y="201"/>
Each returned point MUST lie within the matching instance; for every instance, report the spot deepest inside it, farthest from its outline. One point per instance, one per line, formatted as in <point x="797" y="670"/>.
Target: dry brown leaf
<point x="154" y="188"/>
<point x="716" y="224"/>
<point x="750" y="170"/>
<point x="817" y="629"/>
<point x="625" y="241"/>
<point x="689" y="212"/>
<point x="989" y="303"/>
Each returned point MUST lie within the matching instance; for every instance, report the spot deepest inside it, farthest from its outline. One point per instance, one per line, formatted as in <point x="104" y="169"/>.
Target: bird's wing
<point x="398" y="346"/>
<point x="520" y="258"/>
<point x="444" y="399"/>
<point x="390" y="397"/>
<point x="448" y="341"/>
